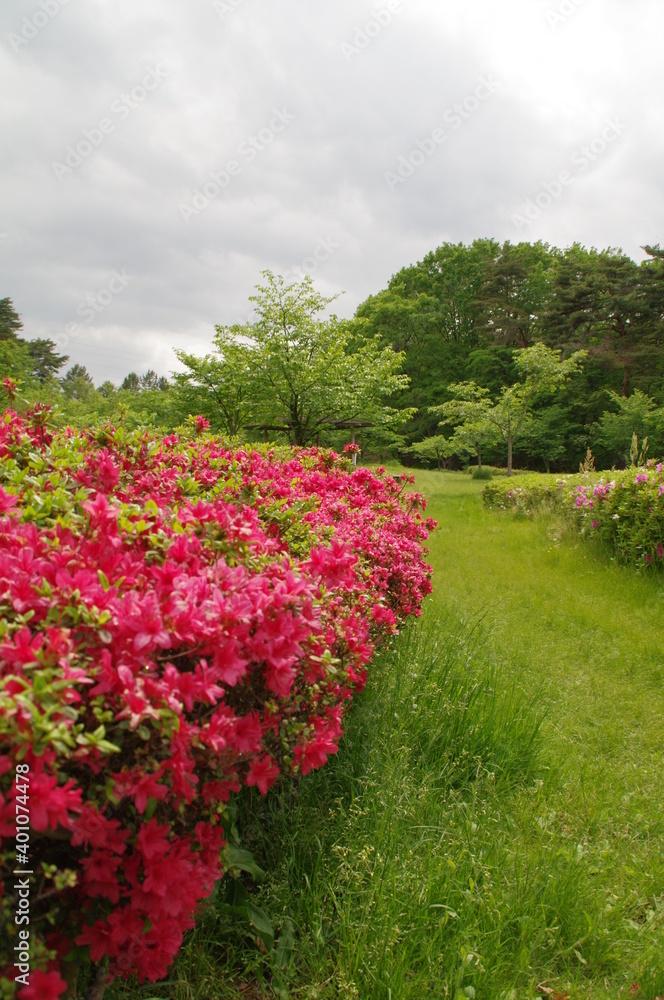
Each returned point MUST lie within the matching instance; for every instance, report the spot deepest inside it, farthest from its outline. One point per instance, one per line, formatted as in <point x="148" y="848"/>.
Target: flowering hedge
<point x="624" y="509"/>
<point x="179" y="620"/>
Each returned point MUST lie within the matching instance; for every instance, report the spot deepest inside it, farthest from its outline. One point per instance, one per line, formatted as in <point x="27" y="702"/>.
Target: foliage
<point x="469" y="412"/>
<point x="290" y="369"/>
<point x="131" y="383"/>
<point x="179" y="620"/>
<point x="462" y="312"/>
<point x="16" y="363"/>
<point x="636" y="414"/>
<point x="10" y="321"/>
<point x="220" y="385"/>
<point x="77" y="383"/>
<point x="542" y="371"/>
<point x="436" y="449"/>
<point x="44" y="362"/>
<point x="147" y="382"/>
<point x="534" y="492"/>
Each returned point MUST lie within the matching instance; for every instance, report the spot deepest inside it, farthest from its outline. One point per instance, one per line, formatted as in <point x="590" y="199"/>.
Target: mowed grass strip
<point x="493" y="825"/>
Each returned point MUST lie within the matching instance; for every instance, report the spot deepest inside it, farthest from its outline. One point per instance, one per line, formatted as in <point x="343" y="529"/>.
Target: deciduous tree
<point x="296" y="368"/>
<point x="541" y="370"/>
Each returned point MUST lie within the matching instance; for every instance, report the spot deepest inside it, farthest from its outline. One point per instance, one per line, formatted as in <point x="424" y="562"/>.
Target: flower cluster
<point x="179" y="619"/>
<point x="625" y="510"/>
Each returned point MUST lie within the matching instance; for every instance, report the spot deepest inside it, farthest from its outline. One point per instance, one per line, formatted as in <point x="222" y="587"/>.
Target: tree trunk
<point x="70" y="974"/>
<point x="98" y="983"/>
<point x="625" y="385"/>
<point x="479" y="457"/>
<point x="509" y="446"/>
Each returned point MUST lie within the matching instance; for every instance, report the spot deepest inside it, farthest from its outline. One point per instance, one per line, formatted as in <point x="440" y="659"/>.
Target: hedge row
<point x="624" y="509"/>
<point x="179" y="620"/>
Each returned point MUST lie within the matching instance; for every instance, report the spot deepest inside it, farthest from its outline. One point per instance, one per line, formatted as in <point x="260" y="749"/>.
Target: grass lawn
<point x="493" y="825"/>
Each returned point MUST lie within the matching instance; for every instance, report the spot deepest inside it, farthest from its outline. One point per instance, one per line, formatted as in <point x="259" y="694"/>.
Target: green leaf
<point x="237" y="857"/>
<point x="285" y="945"/>
<point x="261" y="924"/>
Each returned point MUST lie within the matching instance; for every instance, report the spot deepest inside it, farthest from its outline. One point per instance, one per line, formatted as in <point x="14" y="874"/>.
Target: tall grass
<point x="394" y="839"/>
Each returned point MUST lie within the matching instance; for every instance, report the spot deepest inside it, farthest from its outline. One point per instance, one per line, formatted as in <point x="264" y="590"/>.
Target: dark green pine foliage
<point x="10" y="321"/>
<point x="43" y="361"/>
<point x="77" y="383"/>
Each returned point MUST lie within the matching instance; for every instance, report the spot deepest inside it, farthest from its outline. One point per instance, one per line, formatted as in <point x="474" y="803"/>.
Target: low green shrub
<point x="482" y="473"/>
<point x="534" y="490"/>
<point x="495" y="470"/>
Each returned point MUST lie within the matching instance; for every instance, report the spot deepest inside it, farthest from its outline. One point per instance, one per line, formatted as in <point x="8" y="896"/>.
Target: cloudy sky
<point x="159" y="154"/>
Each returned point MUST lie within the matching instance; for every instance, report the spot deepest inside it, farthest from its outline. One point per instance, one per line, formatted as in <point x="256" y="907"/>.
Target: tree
<point x="514" y="292"/>
<point x="541" y="370"/>
<point x="10" y="321"/>
<point x="599" y="300"/>
<point x="291" y="368"/>
<point x="461" y="311"/>
<point x="470" y="413"/>
<point x="544" y="434"/>
<point x="433" y="311"/>
<point x="77" y="383"/>
<point x="151" y="382"/>
<point x="220" y="386"/>
<point x="131" y="383"/>
<point x="46" y="362"/>
<point x="436" y="448"/>
<point x="16" y="361"/>
<point x="107" y="390"/>
<point x="636" y="414"/>
<point x="652" y="287"/>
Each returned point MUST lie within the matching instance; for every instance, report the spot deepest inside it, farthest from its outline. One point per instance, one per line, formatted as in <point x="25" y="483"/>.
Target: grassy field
<point x="493" y="826"/>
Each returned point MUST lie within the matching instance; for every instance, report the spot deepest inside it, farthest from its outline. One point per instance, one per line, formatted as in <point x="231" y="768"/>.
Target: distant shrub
<point x="623" y="509"/>
<point x="494" y="470"/>
<point x="483" y="473"/>
<point x="533" y="491"/>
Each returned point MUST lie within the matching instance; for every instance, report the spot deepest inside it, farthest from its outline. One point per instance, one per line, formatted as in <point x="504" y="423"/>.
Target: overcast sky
<point x="159" y="154"/>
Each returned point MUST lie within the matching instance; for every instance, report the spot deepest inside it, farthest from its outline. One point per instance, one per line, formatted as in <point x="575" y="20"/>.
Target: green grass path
<point x="584" y="634"/>
<point x="584" y="637"/>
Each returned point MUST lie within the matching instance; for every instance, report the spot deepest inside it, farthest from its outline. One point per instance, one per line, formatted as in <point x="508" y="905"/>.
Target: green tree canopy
<point x="77" y="383"/>
<point x="131" y="383"/>
<point x="10" y="321"/>
<point x="151" y="382"/>
<point x="46" y="361"/>
<point x="541" y="370"/>
<point x="636" y="414"/>
<point x="470" y="413"/>
<point x="294" y="368"/>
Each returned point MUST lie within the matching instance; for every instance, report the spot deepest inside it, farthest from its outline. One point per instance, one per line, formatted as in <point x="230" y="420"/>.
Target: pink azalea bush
<point x="179" y="620"/>
<point x="624" y="509"/>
